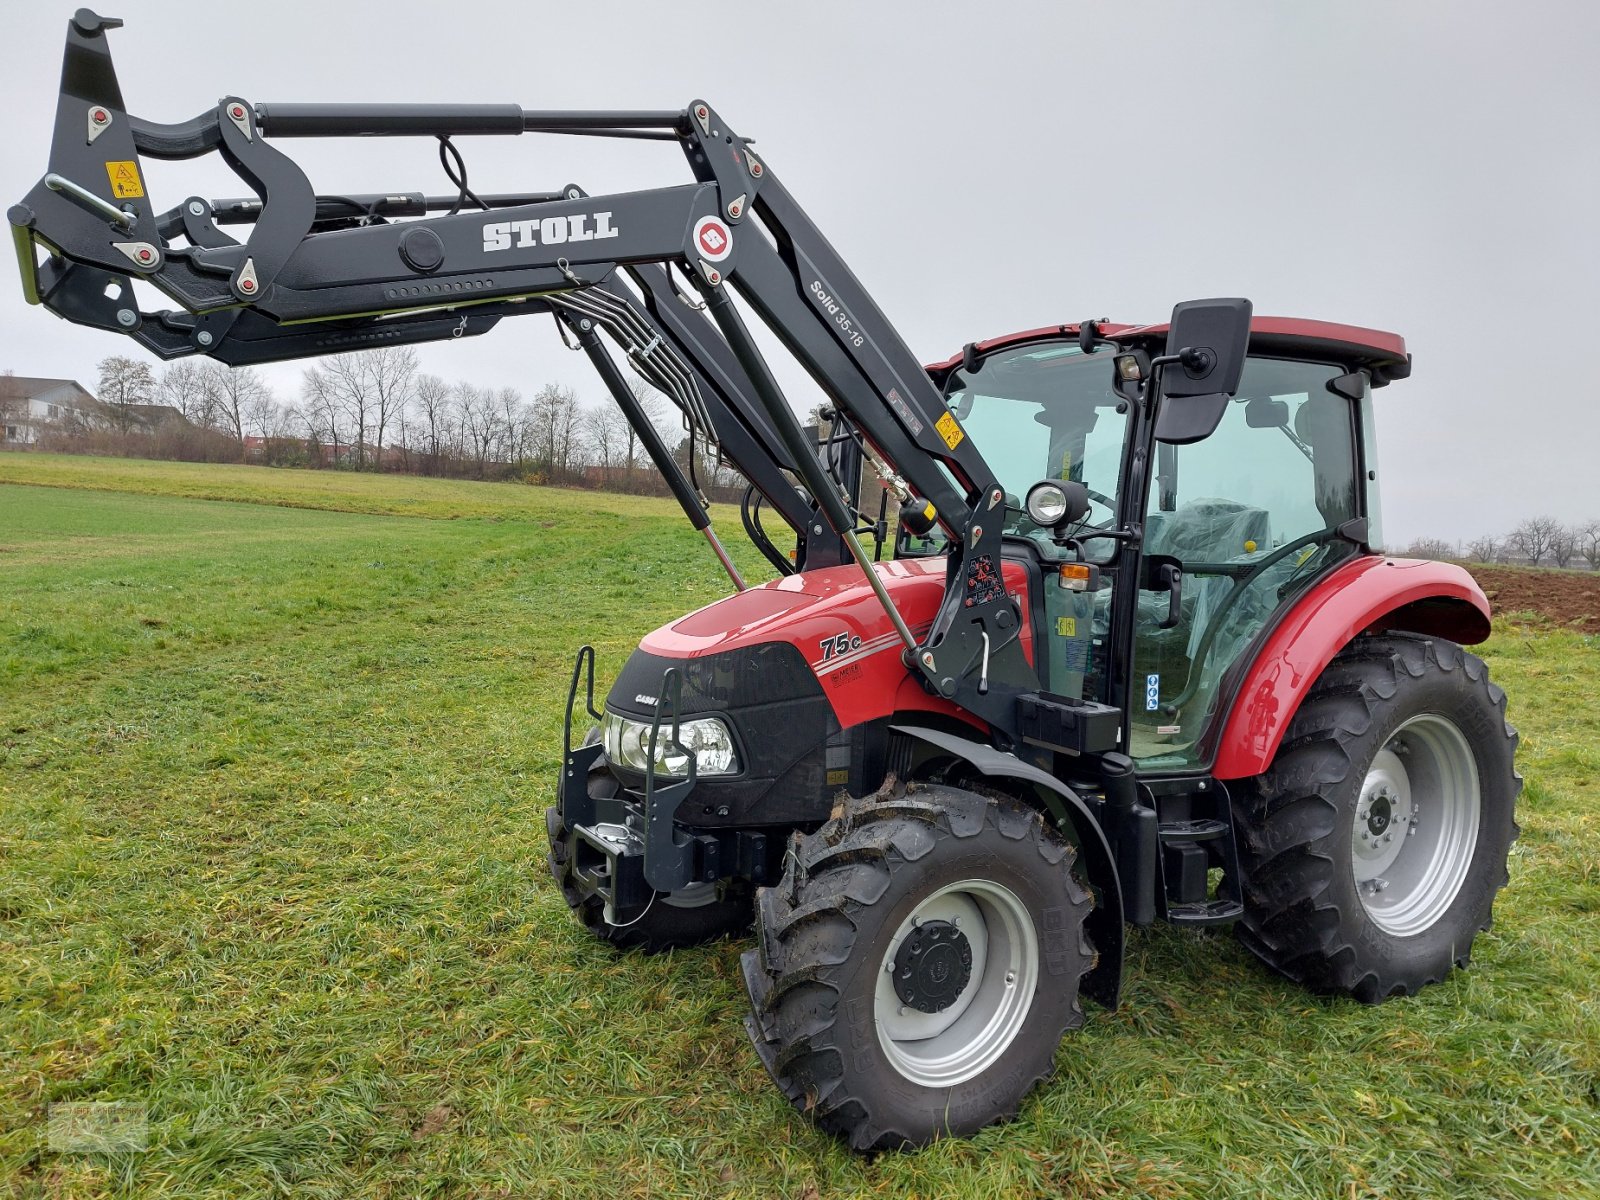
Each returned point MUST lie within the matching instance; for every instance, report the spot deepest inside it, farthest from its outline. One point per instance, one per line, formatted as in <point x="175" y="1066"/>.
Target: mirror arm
<point x="1131" y="536"/>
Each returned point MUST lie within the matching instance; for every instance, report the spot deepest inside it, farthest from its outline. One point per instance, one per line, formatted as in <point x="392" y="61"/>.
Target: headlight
<point x="1047" y="504"/>
<point x="627" y="744"/>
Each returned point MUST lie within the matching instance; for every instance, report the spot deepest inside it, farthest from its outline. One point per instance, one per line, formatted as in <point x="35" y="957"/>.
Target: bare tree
<point x="480" y="424"/>
<point x="1563" y="544"/>
<point x="650" y="401"/>
<point x="513" y="417"/>
<point x="390" y="373"/>
<point x="1587" y="538"/>
<point x="322" y="409"/>
<point x="125" y="382"/>
<point x="1533" y="538"/>
<point x="1428" y="547"/>
<point x="607" y="433"/>
<point x="1483" y="549"/>
<point x="554" y="419"/>
<point x="237" y="396"/>
<point x="433" y="406"/>
<point x="183" y="385"/>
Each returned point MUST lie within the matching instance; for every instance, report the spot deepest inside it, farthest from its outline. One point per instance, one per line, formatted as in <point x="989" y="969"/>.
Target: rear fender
<point x="1104" y="981"/>
<point x="1371" y="594"/>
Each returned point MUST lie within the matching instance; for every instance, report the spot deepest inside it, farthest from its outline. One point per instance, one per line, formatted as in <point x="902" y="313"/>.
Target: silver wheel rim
<point x="1416" y="825"/>
<point x="948" y="1047"/>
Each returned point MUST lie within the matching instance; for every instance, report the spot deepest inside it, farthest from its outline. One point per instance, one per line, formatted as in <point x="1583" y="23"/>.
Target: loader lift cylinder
<point x="829" y="504"/>
<point x="682" y="491"/>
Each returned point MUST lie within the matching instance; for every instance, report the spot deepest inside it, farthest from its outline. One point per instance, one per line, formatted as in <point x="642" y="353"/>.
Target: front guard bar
<point x="669" y="856"/>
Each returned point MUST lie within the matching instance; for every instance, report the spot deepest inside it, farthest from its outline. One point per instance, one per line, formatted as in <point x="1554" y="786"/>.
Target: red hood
<point x="834" y="618"/>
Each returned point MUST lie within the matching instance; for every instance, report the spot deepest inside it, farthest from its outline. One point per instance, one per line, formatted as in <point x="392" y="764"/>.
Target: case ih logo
<point x="550" y="231"/>
<point x="712" y="239"/>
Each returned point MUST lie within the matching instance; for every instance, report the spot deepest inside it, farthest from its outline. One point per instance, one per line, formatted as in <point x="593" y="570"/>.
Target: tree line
<point x="377" y="411"/>
<point x="1536" y="542"/>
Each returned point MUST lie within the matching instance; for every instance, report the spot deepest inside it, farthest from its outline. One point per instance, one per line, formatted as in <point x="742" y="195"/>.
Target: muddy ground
<point x="1562" y="597"/>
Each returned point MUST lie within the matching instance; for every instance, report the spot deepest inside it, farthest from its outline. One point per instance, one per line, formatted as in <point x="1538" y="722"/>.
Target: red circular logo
<point x="713" y="239"/>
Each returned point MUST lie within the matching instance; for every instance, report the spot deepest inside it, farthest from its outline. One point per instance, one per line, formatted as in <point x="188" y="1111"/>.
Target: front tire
<point x="1373" y="847"/>
<point x="918" y="965"/>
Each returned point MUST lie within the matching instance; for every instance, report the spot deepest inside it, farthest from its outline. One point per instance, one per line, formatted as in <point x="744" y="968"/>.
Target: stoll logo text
<point x="551" y="231"/>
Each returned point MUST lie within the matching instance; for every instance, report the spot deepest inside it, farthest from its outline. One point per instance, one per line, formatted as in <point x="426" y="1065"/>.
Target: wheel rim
<point x="963" y="1038"/>
<point x="1416" y="825"/>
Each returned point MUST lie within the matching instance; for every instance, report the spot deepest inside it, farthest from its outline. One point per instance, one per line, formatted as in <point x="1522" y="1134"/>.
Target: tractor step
<point x="1221" y="911"/>
<point x="1193" y="831"/>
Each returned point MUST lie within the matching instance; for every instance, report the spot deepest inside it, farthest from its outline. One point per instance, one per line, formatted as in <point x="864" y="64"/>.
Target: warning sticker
<point x="125" y="181"/>
<point x="1067" y="626"/>
<point x="949" y="430"/>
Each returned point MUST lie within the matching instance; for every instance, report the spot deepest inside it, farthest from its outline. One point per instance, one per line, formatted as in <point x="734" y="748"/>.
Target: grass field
<point x="272" y="783"/>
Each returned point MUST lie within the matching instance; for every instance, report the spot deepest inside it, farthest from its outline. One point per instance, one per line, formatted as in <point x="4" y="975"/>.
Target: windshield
<point x="1046" y="411"/>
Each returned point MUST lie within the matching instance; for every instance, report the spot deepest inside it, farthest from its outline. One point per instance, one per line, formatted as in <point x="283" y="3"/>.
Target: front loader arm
<point x="307" y="280"/>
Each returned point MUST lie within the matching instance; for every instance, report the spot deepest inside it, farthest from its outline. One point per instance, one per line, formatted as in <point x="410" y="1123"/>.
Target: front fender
<point x="1366" y="595"/>
<point x="1104" y="980"/>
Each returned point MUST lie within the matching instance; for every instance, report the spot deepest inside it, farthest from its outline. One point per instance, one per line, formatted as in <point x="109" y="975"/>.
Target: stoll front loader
<point x="1138" y="654"/>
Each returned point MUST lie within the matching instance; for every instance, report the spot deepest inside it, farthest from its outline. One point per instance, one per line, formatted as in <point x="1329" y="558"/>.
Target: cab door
<point x="1250" y="517"/>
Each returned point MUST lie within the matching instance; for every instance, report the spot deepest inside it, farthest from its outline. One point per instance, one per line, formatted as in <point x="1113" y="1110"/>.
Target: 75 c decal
<point x="841" y="643"/>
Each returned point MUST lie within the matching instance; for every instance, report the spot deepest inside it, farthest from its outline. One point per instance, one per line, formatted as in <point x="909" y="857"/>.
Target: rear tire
<point x="891" y="1032"/>
<point x="1373" y="847"/>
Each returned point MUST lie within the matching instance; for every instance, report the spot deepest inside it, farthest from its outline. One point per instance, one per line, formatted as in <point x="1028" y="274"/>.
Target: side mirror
<point x="1207" y="344"/>
<point x="1266" y="413"/>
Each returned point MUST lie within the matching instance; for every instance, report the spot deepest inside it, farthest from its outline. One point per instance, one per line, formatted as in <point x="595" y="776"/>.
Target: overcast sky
<point x="1426" y="168"/>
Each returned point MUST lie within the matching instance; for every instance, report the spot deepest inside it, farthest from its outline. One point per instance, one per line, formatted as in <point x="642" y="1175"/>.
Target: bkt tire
<point x="1373" y="847"/>
<point x="917" y="965"/>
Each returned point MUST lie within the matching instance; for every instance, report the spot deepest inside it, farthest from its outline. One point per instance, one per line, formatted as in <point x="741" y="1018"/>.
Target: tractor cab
<point x="1214" y="532"/>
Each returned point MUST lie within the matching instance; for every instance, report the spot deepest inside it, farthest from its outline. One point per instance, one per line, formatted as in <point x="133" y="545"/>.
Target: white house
<point x="31" y="407"/>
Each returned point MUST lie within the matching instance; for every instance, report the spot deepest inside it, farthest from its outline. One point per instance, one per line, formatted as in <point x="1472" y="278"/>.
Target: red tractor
<point x="1293" y="739"/>
<point x="1139" y="654"/>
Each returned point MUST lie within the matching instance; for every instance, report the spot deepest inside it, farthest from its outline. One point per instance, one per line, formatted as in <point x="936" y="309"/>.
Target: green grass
<point x="272" y="785"/>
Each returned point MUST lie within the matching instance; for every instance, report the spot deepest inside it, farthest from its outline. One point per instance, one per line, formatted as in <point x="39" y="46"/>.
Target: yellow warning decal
<point x="1067" y="626"/>
<point x="949" y="430"/>
<point x="930" y="512"/>
<point x="839" y="778"/>
<point x="125" y="181"/>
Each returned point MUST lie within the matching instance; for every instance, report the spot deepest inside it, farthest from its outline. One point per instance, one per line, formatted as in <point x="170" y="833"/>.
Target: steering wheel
<point x="1240" y="586"/>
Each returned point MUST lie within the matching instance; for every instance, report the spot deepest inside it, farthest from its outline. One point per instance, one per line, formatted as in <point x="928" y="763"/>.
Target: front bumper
<point x="610" y="856"/>
<point x="625" y="845"/>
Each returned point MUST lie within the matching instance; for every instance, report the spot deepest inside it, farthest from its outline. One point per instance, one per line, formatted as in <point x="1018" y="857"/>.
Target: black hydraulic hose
<point x="612" y="377"/>
<point x="750" y="515"/>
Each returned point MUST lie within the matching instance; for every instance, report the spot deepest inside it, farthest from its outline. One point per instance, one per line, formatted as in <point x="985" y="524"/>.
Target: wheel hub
<point x="933" y="966"/>
<point x="1380" y="814"/>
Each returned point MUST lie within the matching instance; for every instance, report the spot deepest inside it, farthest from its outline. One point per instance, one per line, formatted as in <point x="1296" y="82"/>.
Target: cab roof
<point x="1375" y="348"/>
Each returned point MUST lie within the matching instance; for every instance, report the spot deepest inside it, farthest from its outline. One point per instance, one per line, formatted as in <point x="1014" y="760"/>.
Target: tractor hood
<point x="833" y="618"/>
